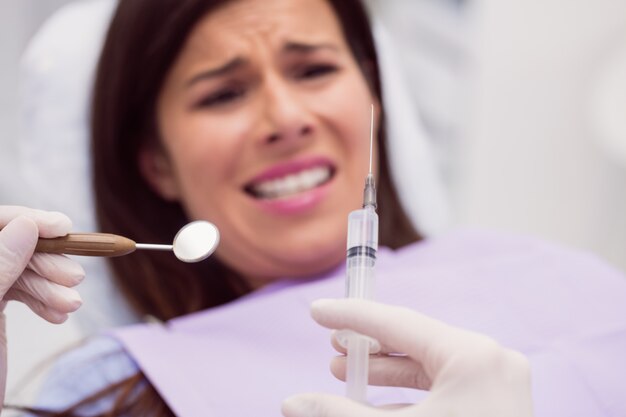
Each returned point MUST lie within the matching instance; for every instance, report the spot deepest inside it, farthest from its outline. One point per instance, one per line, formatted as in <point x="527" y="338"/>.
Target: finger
<point x="57" y="268"/>
<point x="424" y="339"/>
<point x="388" y="371"/>
<point x="324" y="405"/>
<point x="17" y="243"/>
<point x="345" y="337"/>
<point x="39" y="308"/>
<point x="53" y="295"/>
<point x="49" y="223"/>
<point x="338" y="345"/>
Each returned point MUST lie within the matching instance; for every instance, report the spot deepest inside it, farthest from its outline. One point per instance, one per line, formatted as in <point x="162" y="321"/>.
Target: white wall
<point x="535" y="161"/>
<point x="507" y="91"/>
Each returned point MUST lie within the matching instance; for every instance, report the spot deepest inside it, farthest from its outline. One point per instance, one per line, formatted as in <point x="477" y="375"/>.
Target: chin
<point x="313" y="259"/>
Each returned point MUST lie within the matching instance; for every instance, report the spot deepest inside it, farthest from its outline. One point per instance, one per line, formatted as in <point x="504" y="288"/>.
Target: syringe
<point x="361" y="257"/>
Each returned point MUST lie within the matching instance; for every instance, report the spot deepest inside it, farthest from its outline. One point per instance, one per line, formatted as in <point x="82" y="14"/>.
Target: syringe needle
<point x="369" y="193"/>
<point x="371" y="137"/>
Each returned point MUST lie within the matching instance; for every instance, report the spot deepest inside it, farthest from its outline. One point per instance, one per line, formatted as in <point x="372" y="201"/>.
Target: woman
<point x="255" y="116"/>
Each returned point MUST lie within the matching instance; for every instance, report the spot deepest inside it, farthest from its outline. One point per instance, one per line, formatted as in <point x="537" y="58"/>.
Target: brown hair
<point x="143" y="41"/>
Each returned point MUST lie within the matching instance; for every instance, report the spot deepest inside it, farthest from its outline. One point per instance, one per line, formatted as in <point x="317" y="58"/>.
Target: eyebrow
<point x="238" y="62"/>
<point x="305" y="48"/>
<point x="216" y="72"/>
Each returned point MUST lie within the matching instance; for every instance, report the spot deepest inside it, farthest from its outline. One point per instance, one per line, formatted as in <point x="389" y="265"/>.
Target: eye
<point x="222" y="97"/>
<point x="315" y="71"/>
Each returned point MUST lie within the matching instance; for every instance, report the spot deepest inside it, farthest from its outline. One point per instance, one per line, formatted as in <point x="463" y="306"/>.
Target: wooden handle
<point x="87" y="244"/>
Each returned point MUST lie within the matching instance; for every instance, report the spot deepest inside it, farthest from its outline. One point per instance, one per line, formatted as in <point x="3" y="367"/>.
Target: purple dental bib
<point x="565" y="310"/>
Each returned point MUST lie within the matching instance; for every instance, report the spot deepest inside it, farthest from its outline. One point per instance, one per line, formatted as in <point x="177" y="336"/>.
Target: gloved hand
<point x="467" y="374"/>
<point x="41" y="281"/>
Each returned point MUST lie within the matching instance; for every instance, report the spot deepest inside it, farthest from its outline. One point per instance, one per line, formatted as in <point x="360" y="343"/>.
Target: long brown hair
<point x="144" y="39"/>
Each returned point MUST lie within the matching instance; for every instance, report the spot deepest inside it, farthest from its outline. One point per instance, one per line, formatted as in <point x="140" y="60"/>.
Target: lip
<point x="291" y="167"/>
<point x="300" y="203"/>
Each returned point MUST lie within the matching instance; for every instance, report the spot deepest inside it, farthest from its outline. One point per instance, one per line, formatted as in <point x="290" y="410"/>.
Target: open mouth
<point x="290" y="184"/>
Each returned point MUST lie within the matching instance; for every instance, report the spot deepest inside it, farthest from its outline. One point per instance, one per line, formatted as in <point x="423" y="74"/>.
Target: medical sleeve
<point x="84" y="371"/>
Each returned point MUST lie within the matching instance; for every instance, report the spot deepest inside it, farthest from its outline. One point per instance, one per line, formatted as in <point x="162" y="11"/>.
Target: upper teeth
<point x="293" y="183"/>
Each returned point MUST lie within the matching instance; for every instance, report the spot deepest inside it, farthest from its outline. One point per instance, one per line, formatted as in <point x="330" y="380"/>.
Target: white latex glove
<point x="467" y="374"/>
<point x="41" y="281"/>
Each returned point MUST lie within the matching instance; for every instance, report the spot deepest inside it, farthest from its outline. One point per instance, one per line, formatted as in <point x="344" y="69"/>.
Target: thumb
<point x="324" y="405"/>
<point x="17" y="244"/>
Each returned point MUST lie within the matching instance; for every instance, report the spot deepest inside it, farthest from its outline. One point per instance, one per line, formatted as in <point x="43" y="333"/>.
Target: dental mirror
<point x="195" y="242"/>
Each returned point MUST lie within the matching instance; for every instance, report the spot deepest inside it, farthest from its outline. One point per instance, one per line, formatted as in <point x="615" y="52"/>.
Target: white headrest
<point x="411" y="157"/>
<point x="57" y="74"/>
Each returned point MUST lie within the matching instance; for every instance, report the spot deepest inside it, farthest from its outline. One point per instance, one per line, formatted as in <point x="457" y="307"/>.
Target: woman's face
<point x="264" y="122"/>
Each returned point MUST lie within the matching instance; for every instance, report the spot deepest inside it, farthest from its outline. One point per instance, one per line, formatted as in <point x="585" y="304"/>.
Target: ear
<point x="156" y="168"/>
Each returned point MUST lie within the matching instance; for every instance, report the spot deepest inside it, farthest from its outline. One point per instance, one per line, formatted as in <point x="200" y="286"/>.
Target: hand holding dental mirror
<point x="195" y="242"/>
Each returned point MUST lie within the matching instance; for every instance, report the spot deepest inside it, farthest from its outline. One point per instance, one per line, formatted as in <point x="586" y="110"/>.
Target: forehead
<point x="242" y="24"/>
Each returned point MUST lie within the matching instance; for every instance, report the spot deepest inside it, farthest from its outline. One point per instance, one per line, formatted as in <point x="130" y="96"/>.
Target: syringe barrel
<point x="363" y="228"/>
<point x="361" y="256"/>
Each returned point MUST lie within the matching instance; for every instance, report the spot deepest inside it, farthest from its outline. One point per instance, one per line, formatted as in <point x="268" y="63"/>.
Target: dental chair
<point x="57" y="72"/>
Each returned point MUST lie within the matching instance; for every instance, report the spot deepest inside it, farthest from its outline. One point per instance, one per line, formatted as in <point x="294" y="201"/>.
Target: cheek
<point x="204" y="159"/>
<point x="347" y="109"/>
<point x="201" y="141"/>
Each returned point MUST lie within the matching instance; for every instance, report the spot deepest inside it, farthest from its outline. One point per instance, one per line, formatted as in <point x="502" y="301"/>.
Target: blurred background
<point x="523" y="104"/>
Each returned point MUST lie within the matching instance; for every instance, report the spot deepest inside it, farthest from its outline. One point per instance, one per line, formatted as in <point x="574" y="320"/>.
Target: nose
<point x="288" y="120"/>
